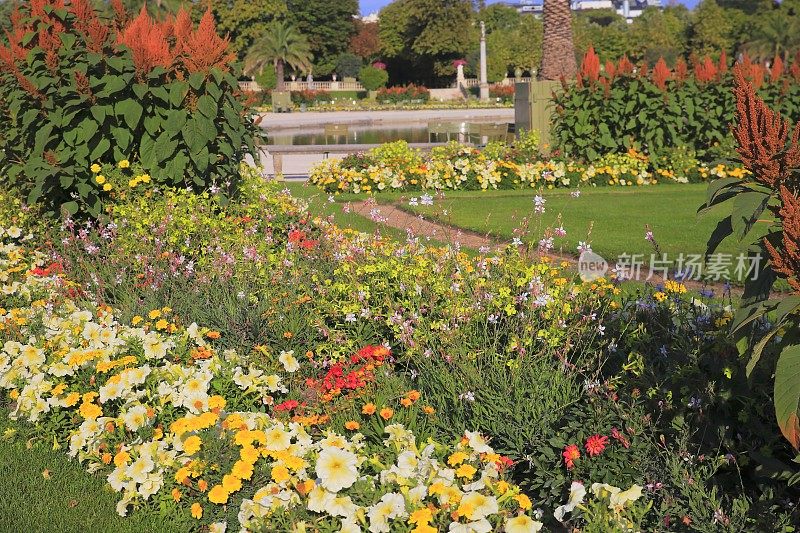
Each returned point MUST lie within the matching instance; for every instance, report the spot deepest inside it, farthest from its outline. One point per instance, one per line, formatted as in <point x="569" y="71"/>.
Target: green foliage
<point x="373" y="78"/>
<point x="634" y="112"/>
<point x="660" y="33"/>
<point x="429" y="34"/>
<point x="282" y="45"/>
<point x="65" y="110"/>
<point x="267" y="79"/>
<point x="518" y="46"/>
<point x="244" y="21"/>
<point x="603" y="29"/>
<point x="348" y="65"/>
<point x="328" y="27"/>
<point x="711" y="31"/>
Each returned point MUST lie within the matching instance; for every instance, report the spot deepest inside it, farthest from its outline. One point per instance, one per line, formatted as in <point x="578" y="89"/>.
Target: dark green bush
<point x="77" y="90"/>
<point x="348" y="65"/>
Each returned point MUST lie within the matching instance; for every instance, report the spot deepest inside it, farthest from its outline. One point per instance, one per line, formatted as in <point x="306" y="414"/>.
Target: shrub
<point x="373" y="78"/>
<point x="311" y="97"/>
<point x="765" y="216"/>
<point x="267" y="79"/>
<point x="409" y="93"/>
<point x="501" y="92"/>
<point x="348" y="65"/>
<point x="654" y="109"/>
<point x="78" y="90"/>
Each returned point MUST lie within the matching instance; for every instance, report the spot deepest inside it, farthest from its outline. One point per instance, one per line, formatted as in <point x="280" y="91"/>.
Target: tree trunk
<point x="279" y="75"/>
<point x="558" y="50"/>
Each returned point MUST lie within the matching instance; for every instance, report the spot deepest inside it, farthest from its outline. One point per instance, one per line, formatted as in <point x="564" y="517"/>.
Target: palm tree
<point x="775" y="35"/>
<point x="558" y="50"/>
<point x="282" y="45"/>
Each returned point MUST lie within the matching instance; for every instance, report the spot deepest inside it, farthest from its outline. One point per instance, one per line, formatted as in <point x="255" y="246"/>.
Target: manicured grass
<point x="611" y="219"/>
<point x="69" y="500"/>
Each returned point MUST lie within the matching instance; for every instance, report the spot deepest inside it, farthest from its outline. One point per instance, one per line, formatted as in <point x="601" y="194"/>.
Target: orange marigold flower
<point x="218" y="495"/>
<point x="387" y="413"/>
<point x="571" y="454"/>
<point x="352" y="425"/>
<point x="197" y="511"/>
<point x="368" y="409"/>
<point x="405" y="402"/>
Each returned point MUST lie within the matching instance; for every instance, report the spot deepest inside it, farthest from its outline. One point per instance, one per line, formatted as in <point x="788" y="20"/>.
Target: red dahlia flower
<point x="596" y="444"/>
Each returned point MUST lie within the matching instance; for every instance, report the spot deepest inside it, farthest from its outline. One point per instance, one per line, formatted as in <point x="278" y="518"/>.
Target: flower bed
<point x="409" y="93"/>
<point x="345" y="381"/>
<point x="499" y="166"/>
<point x="150" y="403"/>
<point x="171" y="417"/>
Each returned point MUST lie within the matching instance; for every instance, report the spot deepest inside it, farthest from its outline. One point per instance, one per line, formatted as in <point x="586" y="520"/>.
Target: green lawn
<point x="69" y="500"/>
<point x="611" y="219"/>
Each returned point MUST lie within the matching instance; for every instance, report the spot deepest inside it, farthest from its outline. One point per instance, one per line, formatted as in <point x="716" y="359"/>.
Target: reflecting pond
<point x="373" y="134"/>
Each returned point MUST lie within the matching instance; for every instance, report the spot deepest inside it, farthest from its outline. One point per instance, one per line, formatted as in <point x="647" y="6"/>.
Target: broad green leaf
<point x="787" y="393"/>
<point x="196" y="80"/>
<point x="100" y="149"/>
<point x="131" y="110"/>
<point x="747" y="207"/>
<point x="71" y="207"/>
<point x="207" y="106"/>
<point x="720" y="233"/>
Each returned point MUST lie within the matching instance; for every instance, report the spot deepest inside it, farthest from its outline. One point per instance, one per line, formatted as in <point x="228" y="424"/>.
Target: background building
<point x="627" y="8"/>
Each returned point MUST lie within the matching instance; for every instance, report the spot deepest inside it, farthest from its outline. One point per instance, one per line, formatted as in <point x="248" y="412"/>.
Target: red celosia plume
<point x="681" y="70"/>
<point x="661" y="74"/>
<point x="705" y="71"/>
<point x="147" y="41"/>
<point x="762" y="135"/>
<point x="590" y="67"/>
<point x="203" y="48"/>
<point x="625" y="66"/>
<point x="786" y="261"/>
<point x="776" y="71"/>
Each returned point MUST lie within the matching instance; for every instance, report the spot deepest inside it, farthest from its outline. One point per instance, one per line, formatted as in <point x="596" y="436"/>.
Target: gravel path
<point x="395" y="217"/>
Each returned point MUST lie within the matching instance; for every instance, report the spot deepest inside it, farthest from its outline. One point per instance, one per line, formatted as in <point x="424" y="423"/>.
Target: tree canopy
<point x="328" y="26"/>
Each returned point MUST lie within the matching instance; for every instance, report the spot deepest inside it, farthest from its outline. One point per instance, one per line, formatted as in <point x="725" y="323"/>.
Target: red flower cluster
<point x="399" y="94"/>
<point x="172" y="43"/>
<point x="590" y="67"/>
<point x="49" y="270"/>
<point x="288" y="405"/>
<point x="299" y="238"/>
<point x="704" y="70"/>
<point x="351" y="374"/>
<point x="594" y="446"/>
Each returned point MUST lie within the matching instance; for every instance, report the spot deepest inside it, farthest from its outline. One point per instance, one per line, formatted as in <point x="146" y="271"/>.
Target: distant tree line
<point x="418" y="41"/>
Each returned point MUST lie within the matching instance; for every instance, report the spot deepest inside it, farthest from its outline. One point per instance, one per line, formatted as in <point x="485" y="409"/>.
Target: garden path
<point x="393" y="216"/>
